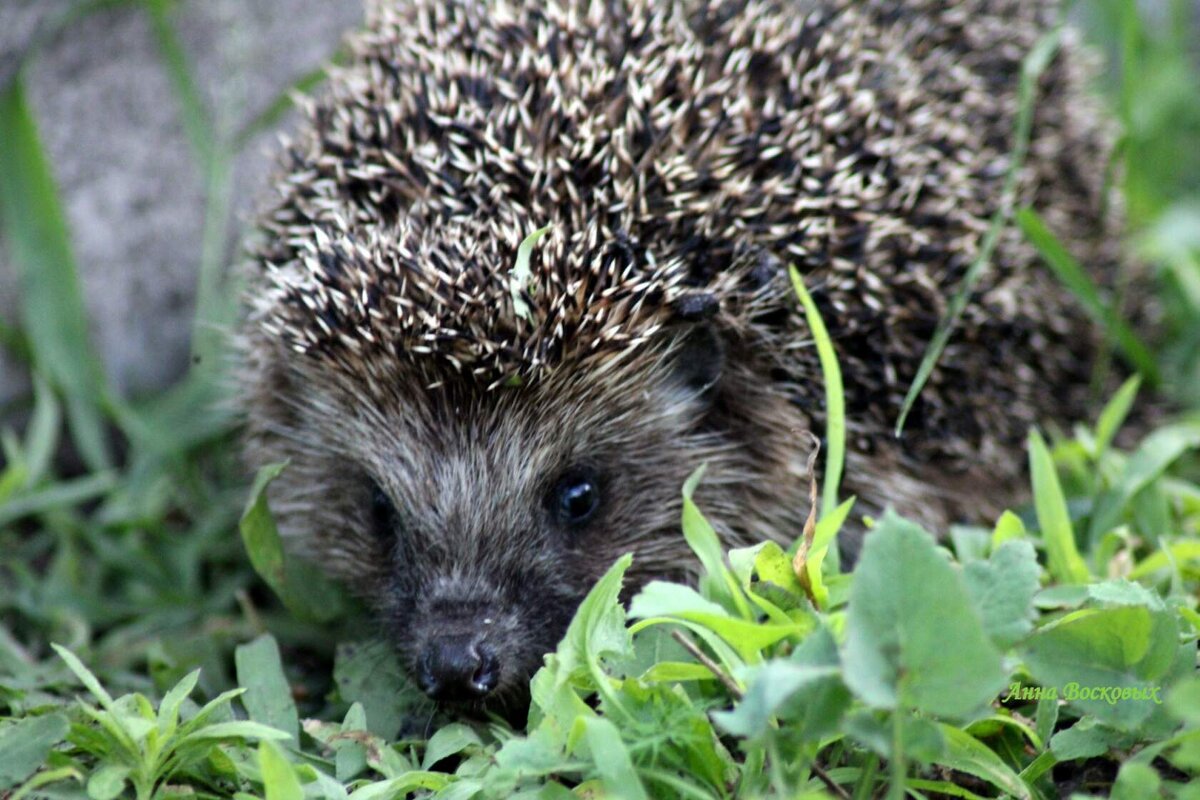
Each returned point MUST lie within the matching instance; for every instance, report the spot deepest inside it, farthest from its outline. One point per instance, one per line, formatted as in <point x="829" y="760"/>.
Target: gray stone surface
<point x="131" y="186"/>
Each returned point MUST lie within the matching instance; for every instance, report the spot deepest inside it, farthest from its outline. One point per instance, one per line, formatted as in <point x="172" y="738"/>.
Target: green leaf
<point x="268" y="697"/>
<point x="41" y="438"/>
<point x="895" y="653"/>
<point x="369" y="673"/>
<point x="597" y="631"/>
<point x="1047" y="716"/>
<point x="676" y="671"/>
<point x="1092" y="655"/>
<point x="612" y="760"/>
<point x="1136" y="782"/>
<point x="773" y="565"/>
<point x="823" y="538"/>
<point x="1008" y="527"/>
<point x="1002" y="590"/>
<point x="1087" y="738"/>
<point x="197" y="124"/>
<point x="108" y="782"/>
<point x="661" y="599"/>
<point x="806" y="690"/>
<point x="85" y="676"/>
<point x="522" y="274"/>
<point x="742" y="559"/>
<point x="168" y="709"/>
<point x="278" y="777"/>
<point x="1064" y="561"/>
<point x="273" y="114"/>
<point x="835" y="398"/>
<point x="25" y="745"/>
<point x="718" y="580"/>
<point x="217" y="708"/>
<point x="402" y="785"/>
<point x="304" y="591"/>
<point x="1124" y="593"/>
<point x="970" y="543"/>
<point x="45" y="778"/>
<point x="773" y="684"/>
<point x="921" y="738"/>
<point x="241" y="729"/>
<point x="965" y="753"/>
<point x="61" y="494"/>
<point x="259" y="533"/>
<point x="186" y="416"/>
<point x="914" y="737"/>
<point x="449" y="740"/>
<point x="1114" y="414"/>
<point x="52" y="311"/>
<point x="540" y="753"/>
<point x="1184" y="701"/>
<point x="1168" y="555"/>
<point x="1157" y="452"/>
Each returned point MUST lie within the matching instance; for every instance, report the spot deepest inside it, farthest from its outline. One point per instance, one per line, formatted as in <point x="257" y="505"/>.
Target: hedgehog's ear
<point x="699" y="358"/>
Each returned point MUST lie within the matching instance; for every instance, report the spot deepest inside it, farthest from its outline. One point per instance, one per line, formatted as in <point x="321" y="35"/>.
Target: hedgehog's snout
<point x="461" y="653"/>
<point x="458" y="668"/>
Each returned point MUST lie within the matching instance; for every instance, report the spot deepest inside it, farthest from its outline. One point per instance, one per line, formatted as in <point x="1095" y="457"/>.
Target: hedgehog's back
<point x="694" y="149"/>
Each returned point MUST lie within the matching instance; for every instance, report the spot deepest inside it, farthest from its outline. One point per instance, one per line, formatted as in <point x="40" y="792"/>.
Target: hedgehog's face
<point x="497" y="511"/>
<point x="476" y="520"/>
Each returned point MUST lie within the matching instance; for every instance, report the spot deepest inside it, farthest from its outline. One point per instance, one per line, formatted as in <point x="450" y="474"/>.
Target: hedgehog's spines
<point x="682" y="157"/>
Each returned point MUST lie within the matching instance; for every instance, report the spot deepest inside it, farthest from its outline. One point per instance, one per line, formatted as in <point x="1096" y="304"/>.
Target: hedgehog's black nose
<point x="456" y="669"/>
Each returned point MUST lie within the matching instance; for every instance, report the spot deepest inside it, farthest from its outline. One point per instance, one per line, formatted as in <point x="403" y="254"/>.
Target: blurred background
<point x="158" y="120"/>
<point x="135" y="139"/>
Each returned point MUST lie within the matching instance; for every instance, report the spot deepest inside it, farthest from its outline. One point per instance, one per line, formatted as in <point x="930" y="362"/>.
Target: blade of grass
<point x="1072" y="275"/>
<point x="215" y="308"/>
<point x="835" y="400"/>
<point x="1038" y="58"/>
<point x="271" y="115"/>
<point x="1062" y="556"/>
<point x="41" y="437"/>
<point x="161" y="426"/>
<point x="1114" y="414"/>
<point x="59" y="495"/>
<point x="196" y="120"/>
<point x="52" y="311"/>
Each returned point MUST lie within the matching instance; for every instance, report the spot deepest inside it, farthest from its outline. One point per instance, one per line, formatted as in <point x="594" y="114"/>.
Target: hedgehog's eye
<point x="575" y="497"/>
<point x="383" y="513"/>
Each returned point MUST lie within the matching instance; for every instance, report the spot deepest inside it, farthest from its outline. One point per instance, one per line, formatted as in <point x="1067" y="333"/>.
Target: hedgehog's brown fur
<point x="682" y="153"/>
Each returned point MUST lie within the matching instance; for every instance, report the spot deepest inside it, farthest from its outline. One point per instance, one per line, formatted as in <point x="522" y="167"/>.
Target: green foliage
<point x="300" y="586"/>
<point x="35" y="231"/>
<point x="1154" y="90"/>
<point x="522" y="274"/>
<point x="895" y="655"/>
<point x="1065" y="563"/>
<point x="835" y="404"/>
<point x="938" y="678"/>
<point x="133" y="743"/>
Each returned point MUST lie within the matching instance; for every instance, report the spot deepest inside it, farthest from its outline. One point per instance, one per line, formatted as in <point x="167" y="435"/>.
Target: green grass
<point x="148" y="650"/>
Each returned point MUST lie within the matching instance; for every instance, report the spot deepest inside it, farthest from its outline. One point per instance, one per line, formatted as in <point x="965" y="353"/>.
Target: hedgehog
<point x="472" y="444"/>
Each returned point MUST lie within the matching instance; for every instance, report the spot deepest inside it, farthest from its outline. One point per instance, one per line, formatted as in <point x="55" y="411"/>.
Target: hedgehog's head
<point x="474" y="502"/>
